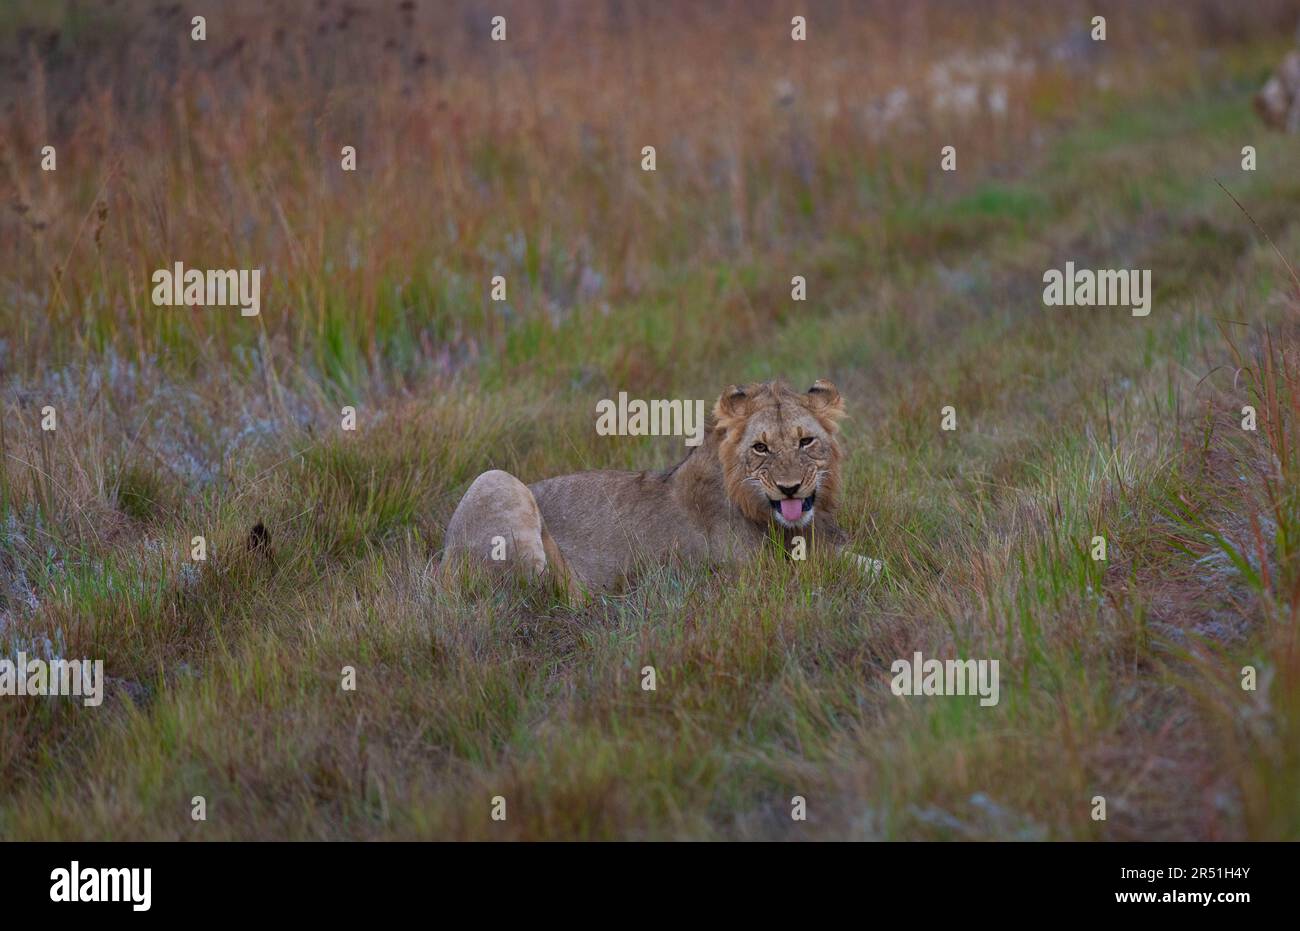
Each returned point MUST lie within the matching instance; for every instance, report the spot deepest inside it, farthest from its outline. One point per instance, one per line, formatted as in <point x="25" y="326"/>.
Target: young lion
<point x="770" y="461"/>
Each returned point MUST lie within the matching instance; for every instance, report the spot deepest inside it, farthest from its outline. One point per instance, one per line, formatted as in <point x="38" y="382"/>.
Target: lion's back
<point x="605" y="520"/>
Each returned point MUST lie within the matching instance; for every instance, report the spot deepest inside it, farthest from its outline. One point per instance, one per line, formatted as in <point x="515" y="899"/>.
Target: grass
<point x="1120" y="678"/>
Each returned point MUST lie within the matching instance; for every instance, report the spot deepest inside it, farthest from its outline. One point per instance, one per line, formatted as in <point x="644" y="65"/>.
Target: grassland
<point x="1120" y="678"/>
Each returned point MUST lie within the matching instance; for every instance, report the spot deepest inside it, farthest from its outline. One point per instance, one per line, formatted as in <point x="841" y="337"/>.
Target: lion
<point x="768" y="468"/>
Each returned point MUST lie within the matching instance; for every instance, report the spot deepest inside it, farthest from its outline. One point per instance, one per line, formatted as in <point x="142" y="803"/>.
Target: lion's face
<point x="780" y="450"/>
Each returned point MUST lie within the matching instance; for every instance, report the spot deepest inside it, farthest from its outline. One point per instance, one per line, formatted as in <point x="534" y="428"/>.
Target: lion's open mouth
<point x="792" y="509"/>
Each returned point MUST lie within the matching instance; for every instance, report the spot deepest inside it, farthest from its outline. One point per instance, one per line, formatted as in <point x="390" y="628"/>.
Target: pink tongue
<point x="791" y="509"/>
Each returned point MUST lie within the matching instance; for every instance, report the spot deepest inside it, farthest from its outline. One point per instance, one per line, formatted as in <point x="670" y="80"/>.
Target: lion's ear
<point x="824" y="399"/>
<point x="732" y="403"/>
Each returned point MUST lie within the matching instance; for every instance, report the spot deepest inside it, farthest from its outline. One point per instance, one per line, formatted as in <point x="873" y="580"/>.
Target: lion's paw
<point x="871" y="568"/>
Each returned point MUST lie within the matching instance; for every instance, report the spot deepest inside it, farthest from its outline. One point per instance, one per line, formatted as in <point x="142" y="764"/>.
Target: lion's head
<point x="780" y="450"/>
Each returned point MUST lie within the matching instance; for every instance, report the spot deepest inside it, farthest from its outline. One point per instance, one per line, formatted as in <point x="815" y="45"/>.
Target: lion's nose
<point x="788" y="490"/>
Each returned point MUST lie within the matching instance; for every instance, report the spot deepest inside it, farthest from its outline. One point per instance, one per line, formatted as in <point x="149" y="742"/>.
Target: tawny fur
<point x="592" y="530"/>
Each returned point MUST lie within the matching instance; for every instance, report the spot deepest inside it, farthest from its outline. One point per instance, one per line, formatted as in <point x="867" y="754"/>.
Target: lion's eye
<point x="806" y="441"/>
<point x="760" y="447"/>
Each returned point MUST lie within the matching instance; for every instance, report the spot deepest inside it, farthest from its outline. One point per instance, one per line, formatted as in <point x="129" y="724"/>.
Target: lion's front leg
<point x="871" y="568"/>
<point x="835" y="541"/>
